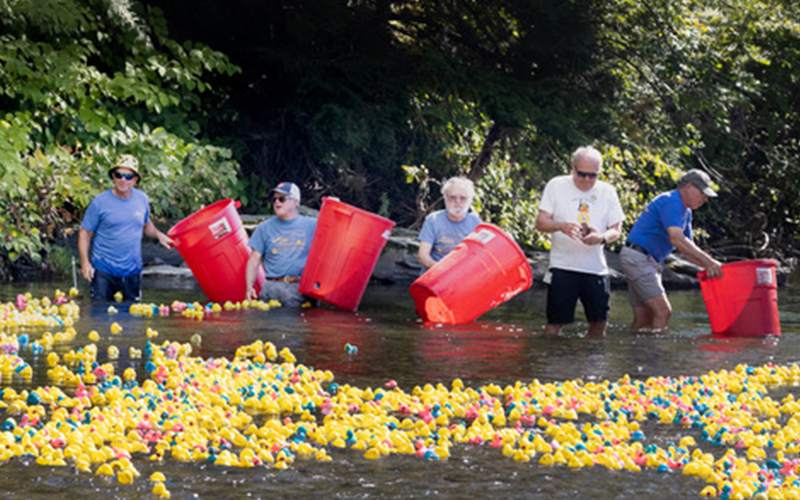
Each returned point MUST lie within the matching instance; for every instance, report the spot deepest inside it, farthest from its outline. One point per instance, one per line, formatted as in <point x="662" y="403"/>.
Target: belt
<point x="286" y="279"/>
<point x="637" y="248"/>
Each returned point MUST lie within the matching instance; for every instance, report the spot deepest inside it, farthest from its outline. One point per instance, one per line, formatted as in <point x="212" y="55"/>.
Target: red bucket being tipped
<point x="213" y="243"/>
<point x="486" y="269"/>
<point x="744" y="302"/>
<point x="343" y="254"/>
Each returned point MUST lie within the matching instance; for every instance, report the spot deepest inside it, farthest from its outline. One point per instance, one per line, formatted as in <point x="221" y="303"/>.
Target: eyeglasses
<point x="586" y="175"/>
<point x="281" y="199"/>
<point x="120" y="175"/>
<point x="460" y="199"/>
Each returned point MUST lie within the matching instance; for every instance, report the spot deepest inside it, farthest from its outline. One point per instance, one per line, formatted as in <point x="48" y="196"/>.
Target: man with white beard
<point x="444" y="229"/>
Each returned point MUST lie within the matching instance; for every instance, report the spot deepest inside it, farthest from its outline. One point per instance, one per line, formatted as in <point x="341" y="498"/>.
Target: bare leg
<point x="662" y="310"/>
<point x="597" y="328"/>
<point x="642" y="318"/>
<point x="654" y="314"/>
<point x="553" y="329"/>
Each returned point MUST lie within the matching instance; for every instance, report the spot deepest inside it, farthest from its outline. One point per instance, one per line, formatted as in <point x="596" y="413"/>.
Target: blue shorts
<point x="566" y="287"/>
<point x="104" y="286"/>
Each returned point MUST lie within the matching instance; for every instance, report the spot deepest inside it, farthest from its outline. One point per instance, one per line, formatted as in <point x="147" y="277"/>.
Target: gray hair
<point x="461" y="182"/>
<point x="588" y="152"/>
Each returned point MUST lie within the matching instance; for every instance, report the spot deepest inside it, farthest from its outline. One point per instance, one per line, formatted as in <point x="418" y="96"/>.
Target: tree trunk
<point x="497" y="134"/>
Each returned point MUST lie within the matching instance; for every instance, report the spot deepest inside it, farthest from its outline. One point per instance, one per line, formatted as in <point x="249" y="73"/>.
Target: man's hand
<point x="714" y="269"/>
<point x="87" y="271"/>
<point x="571" y="229"/>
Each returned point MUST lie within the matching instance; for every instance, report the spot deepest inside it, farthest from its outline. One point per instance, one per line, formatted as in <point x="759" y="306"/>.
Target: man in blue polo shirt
<point x="281" y="243"/>
<point x="666" y="224"/>
<point x="116" y="219"/>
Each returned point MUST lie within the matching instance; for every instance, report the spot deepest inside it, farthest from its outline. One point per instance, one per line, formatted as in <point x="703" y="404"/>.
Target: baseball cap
<point x="289" y="189"/>
<point x="126" y="161"/>
<point x="700" y="180"/>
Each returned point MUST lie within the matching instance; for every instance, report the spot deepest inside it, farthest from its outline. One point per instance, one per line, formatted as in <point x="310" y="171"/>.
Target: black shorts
<point x="566" y="287"/>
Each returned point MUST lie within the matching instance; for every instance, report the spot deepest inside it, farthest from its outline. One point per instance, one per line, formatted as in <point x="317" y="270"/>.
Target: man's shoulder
<point x="560" y="180"/>
<point x="266" y="224"/>
<point x="606" y="187"/>
<point x="434" y="217"/>
<point x="668" y="198"/>
<point x="102" y="196"/>
<point x="307" y="221"/>
<point x="275" y="222"/>
<point x="140" y="195"/>
<point x="435" y="214"/>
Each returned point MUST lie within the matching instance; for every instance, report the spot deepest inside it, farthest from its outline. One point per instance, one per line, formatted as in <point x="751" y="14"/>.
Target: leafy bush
<point x="83" y="83"/>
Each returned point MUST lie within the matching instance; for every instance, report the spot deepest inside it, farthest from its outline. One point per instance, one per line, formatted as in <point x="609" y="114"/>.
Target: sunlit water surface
<point x="503" y="346"/>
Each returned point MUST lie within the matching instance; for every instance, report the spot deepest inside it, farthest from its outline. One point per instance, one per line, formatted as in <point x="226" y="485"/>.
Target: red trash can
<point x="343" y="253"/>
<point x="744" y="302"/>
<point x="213" y="243"/>
<point x="486" y="269"/>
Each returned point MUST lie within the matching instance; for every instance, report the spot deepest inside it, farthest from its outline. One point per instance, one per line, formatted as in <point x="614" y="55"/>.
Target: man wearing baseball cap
<point x="281" y="244"/>
<point x="116" y="220"/>
<point x="665" y="225"/>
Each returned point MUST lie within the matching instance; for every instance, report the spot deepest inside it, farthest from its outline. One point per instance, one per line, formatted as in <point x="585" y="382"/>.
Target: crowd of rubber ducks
<point x="264" y="409"/>
<point x="195" y="310"/>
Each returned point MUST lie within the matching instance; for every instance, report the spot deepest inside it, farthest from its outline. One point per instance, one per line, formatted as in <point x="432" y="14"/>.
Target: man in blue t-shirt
<point x="666" y="224"/>
<point x="445" y="229"/>
<point x="116" y="219"/>
<point x="281" y="243"/>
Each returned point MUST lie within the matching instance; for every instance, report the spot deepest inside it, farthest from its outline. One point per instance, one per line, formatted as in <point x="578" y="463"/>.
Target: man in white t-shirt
<point x="583" y="215"/>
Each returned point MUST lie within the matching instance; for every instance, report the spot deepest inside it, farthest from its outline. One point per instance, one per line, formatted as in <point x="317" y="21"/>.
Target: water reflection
<point x="503" y="346"/>
<point x="477" y="351"/>
<point x="328" y="331"/>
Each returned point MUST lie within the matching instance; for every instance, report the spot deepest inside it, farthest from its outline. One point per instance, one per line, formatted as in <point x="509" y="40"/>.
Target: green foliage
<point x="83" y="82"/>
<point x="712" y="85"/>
<point x="503" y="198"/>
<point x="339" y="98"/>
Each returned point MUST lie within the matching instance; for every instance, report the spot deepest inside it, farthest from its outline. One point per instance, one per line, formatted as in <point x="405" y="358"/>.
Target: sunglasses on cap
<point x="586" y="175"/>
<point x="120" y="175"/>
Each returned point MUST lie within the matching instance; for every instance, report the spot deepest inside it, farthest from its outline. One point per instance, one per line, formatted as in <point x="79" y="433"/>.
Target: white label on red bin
<point x="764" y="275"/>
<point x="220" y="228"/>
<point x="484" y="236"/>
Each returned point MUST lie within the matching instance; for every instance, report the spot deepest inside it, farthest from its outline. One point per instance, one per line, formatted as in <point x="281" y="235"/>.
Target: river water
<point x="503" y="346"/>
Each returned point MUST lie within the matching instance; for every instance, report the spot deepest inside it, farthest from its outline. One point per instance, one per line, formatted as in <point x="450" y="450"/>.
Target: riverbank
<point x="396" y="265"/>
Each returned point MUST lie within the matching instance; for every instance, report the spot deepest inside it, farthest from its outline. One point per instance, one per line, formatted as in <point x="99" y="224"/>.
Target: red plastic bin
<point x="213" y="243"/>
<point x="486" y="269"/>
<point x="343" y="254"/>
<point x="744" y="302"/>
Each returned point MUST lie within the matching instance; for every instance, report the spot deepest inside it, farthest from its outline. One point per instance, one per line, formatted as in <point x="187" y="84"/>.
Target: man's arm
<point x="152" y="231"/>
<point x="693" y="253"/>
<point x="84" y="241"/>
<point x="546" y="224"/>
<point x="611" y="234"/>
<point x="251" y="271"/>
<point x="424" y="255"/>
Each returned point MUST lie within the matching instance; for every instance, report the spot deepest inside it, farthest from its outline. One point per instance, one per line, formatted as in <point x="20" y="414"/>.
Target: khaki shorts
<point x="643" y="274"/>
<point x="285" y="293"/>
